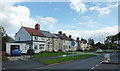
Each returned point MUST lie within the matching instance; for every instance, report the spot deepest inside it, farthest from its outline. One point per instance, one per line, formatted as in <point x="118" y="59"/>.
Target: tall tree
<point x="111" y="40"/>
<point x="99" y="45"/>
<point x="91" y="42"/>
<point x="2" y="31"/>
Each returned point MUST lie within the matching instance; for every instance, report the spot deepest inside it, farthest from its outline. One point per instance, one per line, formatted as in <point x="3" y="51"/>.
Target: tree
<point x="99" y="45"/>
<point x="111" y="40"/>
<point x="2" y="30"/>
<point x="91" y="42"/>
<point x="64" y="34"/>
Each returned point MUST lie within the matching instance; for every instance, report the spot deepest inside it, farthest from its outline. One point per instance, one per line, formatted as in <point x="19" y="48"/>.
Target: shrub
<point x="30" y="52"/>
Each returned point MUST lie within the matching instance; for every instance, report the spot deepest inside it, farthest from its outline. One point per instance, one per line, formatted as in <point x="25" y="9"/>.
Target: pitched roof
<point x="63" y="37"/>
<point x="46" y="33"/>
<point x="32" y="31"/>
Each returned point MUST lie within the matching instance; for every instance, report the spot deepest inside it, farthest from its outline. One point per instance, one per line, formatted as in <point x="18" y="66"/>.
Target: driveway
<point x="16" y="58"/>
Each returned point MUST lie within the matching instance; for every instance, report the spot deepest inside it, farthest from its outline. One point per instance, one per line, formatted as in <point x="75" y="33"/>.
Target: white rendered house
<point x="28" y="38"/>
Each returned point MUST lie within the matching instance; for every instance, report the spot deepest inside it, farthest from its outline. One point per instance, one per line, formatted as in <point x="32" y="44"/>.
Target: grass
<point x="84" y="51"/>
<point x="48" y="54"/>
<point x="64" y="59"/>
<point x="5" y="59"/>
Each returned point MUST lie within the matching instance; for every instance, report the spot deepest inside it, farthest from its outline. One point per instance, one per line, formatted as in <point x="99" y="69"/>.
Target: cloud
<point x="78" y="6"/>
<point x="80" y="23"/>
<point x="71" y="26"/>
<point x="103" y="10"/>
<point x="13" y="17"/>
<point x="74" y="19"/>
<point x="47" y="22"/>
<point x="97" y="35"/>
<point x="90" y="22"/>
<point x="12" y="35"/>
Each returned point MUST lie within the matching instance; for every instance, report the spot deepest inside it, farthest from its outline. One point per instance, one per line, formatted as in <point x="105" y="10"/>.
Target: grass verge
<point x="5" y="59"/>
<point x="64" y="59"/>
<point x="48" y="54"/>
<point x="84" y="51"/>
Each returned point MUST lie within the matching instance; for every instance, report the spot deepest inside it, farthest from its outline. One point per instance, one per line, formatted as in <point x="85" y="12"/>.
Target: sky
<point x="94" y="20"/>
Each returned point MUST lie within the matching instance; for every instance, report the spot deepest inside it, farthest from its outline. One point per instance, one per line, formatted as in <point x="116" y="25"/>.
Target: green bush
<point x="5" y="59"/>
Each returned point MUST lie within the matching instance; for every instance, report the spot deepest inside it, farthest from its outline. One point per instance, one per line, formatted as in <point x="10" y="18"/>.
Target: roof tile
<point x="32" y="31"/>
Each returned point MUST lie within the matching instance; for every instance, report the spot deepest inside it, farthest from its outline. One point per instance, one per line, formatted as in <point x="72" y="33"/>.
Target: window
<point x="42" y="38"/>
<point x="49" y="39"/>
<point x="36" y="47"/>
<point x="36" y="38"/>
<point x="69" y="47"/>
<point x="64" y="47"/>
<point x="41" y="46"/>
<point x="30" y="47"/>
<point x="19" y="38"/>
<point x="25" y="48"/>
<point x="56" y="47"/>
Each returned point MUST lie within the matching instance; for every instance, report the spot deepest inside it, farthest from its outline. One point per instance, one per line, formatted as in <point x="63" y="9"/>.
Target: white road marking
<point x="101" y="62"/>
<point x="92" y="67"/>
<point x="97" y="65"/>
<point x="3" y="68"/>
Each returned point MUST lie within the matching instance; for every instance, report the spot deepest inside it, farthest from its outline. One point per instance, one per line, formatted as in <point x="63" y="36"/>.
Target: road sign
<point x="107" y="57"/>
<point x="73" y="43"/>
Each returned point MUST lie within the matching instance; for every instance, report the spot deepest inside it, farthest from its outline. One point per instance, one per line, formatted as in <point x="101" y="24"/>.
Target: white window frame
<point x="36" y="47"/>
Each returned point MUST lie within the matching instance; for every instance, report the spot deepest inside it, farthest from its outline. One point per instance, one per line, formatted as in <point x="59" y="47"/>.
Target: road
<point x="89" y="63"/>
<point x="28" y="64"/>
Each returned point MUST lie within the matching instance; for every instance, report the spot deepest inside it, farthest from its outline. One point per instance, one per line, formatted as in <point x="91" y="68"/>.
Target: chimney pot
<point x="37" y="26"/>
<point x="60" y="32"/>
<point x="70" y="36"/>
<point x="77" y="38"/>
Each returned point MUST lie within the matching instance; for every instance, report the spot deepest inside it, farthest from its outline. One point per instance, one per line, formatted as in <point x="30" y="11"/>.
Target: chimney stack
<point x="60" y="32"/>
<point x="70" y="36"/>
<point x="77" y="38"/>
<point x="37" y="26"/>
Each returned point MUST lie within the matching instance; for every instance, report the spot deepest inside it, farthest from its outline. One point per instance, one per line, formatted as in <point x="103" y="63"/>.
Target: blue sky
<point x="77" y="19"/>
<point x="67" y="16"/>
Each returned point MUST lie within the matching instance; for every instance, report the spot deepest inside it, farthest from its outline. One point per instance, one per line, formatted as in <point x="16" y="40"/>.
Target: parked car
<point x="16" y="52"/>
<point x="99" y="51"/>
<point x="30" y="52"/>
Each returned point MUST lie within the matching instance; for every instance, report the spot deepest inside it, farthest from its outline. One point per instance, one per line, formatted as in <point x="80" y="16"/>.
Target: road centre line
<point x="92" y="67"/>
<point x="97" y="65"/>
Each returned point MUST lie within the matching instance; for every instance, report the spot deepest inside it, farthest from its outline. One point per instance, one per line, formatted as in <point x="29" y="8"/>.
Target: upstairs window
<point x="36" y="38"/>
<point x="19" y="38"/>
<point x="42" y="38"/>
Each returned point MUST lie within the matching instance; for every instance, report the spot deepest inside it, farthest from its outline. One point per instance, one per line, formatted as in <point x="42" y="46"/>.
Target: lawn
<point x="64" y="59"/>
<point x="84" y="51"/>
<point x="49" y="54"/>
<point x="5" y="59"/>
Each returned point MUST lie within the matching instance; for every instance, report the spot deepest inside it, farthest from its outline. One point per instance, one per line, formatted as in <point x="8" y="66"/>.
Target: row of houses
<point x="40" y="40"/>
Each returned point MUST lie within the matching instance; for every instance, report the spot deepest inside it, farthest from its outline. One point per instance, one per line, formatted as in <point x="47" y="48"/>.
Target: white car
<point x="99" y="51"/>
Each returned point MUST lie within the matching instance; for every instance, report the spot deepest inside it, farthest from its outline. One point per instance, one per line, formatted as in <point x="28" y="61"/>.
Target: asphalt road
<point x="89" y="63"/>
<point x="27" y="64"/>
